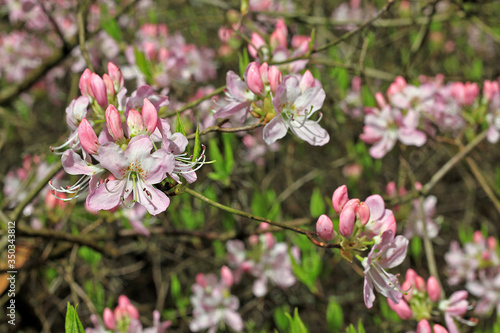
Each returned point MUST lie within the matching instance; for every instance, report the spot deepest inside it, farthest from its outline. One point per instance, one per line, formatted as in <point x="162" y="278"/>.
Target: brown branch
<point x="86" y="240"/>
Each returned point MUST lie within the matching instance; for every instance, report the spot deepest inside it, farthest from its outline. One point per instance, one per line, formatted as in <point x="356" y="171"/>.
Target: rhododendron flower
<point x="274" y="264"/>
<point x="73" y="164"/>
<point x="125" y="318"/>
<point x="295" y="102"/>
<point x="212" y="302"/>
<point x="487" y="288"/>
<point x="388" y="253"/>
<point x="239" y="97"/>
<point x="384" y="127"/>
<point x="454" y="307"/>
<point x="135" y="170"/>
<point x="415" y="225"/>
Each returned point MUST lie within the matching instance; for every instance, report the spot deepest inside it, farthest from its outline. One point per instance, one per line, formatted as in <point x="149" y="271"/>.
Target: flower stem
<point x="247" y="215"/>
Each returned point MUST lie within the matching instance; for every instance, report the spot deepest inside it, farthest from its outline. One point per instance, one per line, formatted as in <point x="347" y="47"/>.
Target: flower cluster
<point x="412" y="113"/>
<point x="212" y="303"/>
<point x="266" y="260"/>
<point x="421" y="301"/>
<point x="283" y="103"/>
<point x="477" y="264"/>
<point x="364" y="224"/>
<point x="125" y="318"/>
<point x="277" y="50"/>
<point x="126" y="147"/>
<point x="170" y="58"/>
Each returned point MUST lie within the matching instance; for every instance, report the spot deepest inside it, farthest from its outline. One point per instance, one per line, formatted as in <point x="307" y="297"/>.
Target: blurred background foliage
<point x="459" y="39"/>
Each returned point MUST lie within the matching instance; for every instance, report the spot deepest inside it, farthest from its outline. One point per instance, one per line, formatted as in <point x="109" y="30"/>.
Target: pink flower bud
<point x="380" y="99"/>
<point x="423" y="326"/>
<point x="279" y="37"/>
<point x="439" y="329"/>
<point x="301" y="44"/>
<point x="269" y="240"/>
<point x="490" y="89"/>
<point x="227" y="276"/>
<point x="363" y="213"/>
<point x="84" y="83"/>
<point x="134" y="122"/>
<point x="492" y="243"/>
<point x="433" y="289"/>
<point x="477" y="237"/>
<point x="256" y="43"/>
<point x="114" y="122"/>
<point x="116" y="76"/>
<point x="400" y="82"/>
<point x="418" y="186"/>
<point x="51" y="202"/>
<point x="225" y="34"/>
<point x="296" y="253"/>
<point x="356" y="84"/>
<point x="410" y="276"/>
<point x="149" y="116"/>
<point x="407" y="288"/>
<point x="201" y="280"/>
<point x="340" y="198"/>
<point x="253" y="79"/>
<point x="264" y="226"/>
<point x="263" y="71"/>
<point x="275" y="78"/>
<point x="402" y="309"/>
<point x="123" y="301"/>
<point x="348" y="218"/>
<point x="110" y="88"/>
<point x="307" y="81"/>
<point x="420" y="283"/>
<point x="149" y="50"/>
<point x="324" y="228"/>
<point x="253" y="240"/>
<point x="87" y="136"/>
<point x="391" y="189"/>
<point x="99" y="90"/>
<point x="109" y="319"/>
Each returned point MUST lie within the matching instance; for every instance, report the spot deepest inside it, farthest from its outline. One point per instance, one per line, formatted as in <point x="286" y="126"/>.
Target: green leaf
<point x="243" y="62"/>
<point x="90" y="256"/>
<point x="361" y="328"/>
<point x="73" y="323"/>
<point x="416" y="247"/>
<point x="216" y="155"/>
<point x="317" y="204"/>
<point x="175" y="287"/>
<point x="477" y="69"/>
<point x="280" y="319"/>
<point x="334" y="316"/>
<point x="179" y="127"/>
<point x="110" y="25"/>
<point x="296" y="324"/>
<point x="197" y="145"/>
<point x="228" y="153"/>
<point x="142" y="63"/>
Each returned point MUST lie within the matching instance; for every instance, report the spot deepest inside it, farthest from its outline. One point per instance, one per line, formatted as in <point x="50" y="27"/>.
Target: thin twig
<point x="195" y="103"/>
<point x="81" y="15"/>
<point x="75" y="239"/>
<point x="340" y="39"/>
<point x="428" y="248"/>
<point x="482" y="181"/>
<point x="218" y="128"/>
<point x="452" y="162"/>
